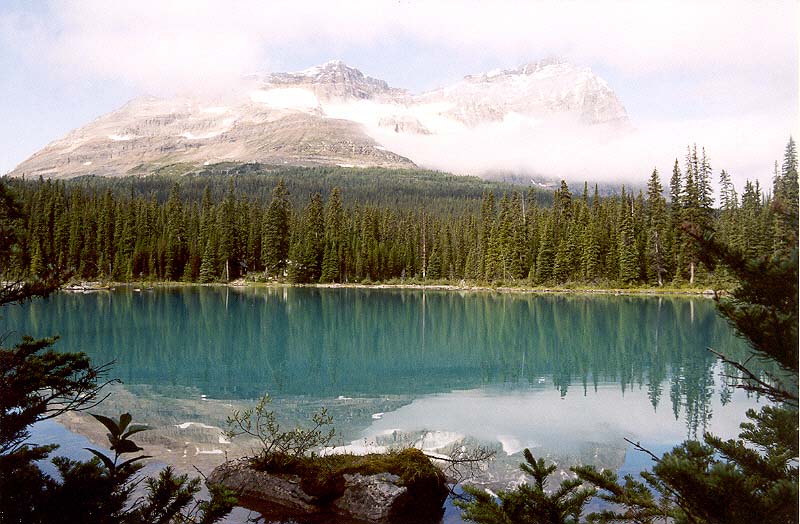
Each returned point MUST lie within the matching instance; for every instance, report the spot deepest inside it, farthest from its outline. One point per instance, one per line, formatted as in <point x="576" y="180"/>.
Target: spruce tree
<point x="229" y="240"/>
<point x="175" y="251"/>
<point x="529" y="503"/>
<point x="545" y="260"/>
<point x="208" y="270"/>
<point x="656" y="218"/>
<point x="590" y="252"/>
<point x="785" y="199"/>
<point x="276" y="232"/>
<point x="434" y="269"/>
<point x="308" y="248"/>
<point x="334" y="238"/>
<point x="75" y="242"/>
<point x="628" y="256"/>
<point x="674" y="238"/>
<point x="486" y="227"/>
<point x="693" y="214"/>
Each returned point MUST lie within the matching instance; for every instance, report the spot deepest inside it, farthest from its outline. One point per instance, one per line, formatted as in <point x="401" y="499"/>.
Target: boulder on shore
<point x="381" y="497"/>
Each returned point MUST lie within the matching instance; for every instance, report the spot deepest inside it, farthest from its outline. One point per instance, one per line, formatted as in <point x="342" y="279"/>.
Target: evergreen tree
<point x="105" y="235"/>
<point x="486" y="226"/>
<point x="75" y="242"/>
<point x="434" y="269"/>
<point x="704" y="184"/>
<point x="334" y="238"/>
<point x="276" y="230"/>
<point x="308" y="248"/>
<point x="175" y="252"/>
<point x="692" y="214"/>
<point x="656" y="218"/>
<point x="228" y="247"/>
<point x="628" y="257"/>
<point x="785" y="202"/>
<point x="254" y="236"/>
<point x="590" y="253"/>
<point x="529" y="503"/>
<point x="729" y="203"/>
<point x="208" y="270"/>
<point x="728" y="197"/>
<point x="674" y="238"/>
<point x="545" y="260"/>
<point x="564" y="202"/>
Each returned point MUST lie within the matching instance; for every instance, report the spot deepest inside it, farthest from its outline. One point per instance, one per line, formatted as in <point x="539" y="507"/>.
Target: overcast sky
<point x="722" y="74"/>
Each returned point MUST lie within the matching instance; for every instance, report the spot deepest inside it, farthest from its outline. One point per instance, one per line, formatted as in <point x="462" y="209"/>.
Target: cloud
<point x="744" y="145"/>
<point x="726" y="66"/>
<point x="558" y="424"/>
<point x="153" y="42"/>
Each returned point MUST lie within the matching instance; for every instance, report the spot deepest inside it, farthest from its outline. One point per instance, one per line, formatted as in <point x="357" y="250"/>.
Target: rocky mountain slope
<point x="330" y="114"/>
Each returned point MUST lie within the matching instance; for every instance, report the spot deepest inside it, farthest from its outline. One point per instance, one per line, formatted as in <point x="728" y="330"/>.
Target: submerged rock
<point x="382" y="497"/>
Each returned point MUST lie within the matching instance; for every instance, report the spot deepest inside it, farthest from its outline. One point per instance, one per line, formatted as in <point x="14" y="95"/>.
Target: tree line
<point x="257" y="227"/>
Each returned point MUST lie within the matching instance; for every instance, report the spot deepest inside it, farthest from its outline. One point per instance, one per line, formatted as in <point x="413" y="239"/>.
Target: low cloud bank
<point x="745" y="146"/>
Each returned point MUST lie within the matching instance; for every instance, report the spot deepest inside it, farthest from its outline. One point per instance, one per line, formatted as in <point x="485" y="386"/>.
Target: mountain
<point x="331" y="114"/>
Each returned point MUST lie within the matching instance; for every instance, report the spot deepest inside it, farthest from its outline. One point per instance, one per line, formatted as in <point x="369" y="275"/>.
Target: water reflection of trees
<point x="321" y="342"/>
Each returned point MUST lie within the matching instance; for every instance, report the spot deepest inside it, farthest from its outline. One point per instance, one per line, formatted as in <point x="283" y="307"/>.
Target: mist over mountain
<point x="333" y="114"/>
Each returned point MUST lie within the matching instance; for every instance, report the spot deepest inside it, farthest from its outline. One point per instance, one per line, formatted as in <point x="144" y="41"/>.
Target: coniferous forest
<point x="325" y="225"/>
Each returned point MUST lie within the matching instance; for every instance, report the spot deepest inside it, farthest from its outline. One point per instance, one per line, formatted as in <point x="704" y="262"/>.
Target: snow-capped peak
<point x="333" y="79"/>
<point x="547" y="86"/>
<point x="330" y="65"/>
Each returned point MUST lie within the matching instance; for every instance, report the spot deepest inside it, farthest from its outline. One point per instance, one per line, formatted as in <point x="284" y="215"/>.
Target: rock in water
<point x="372" y="497"/>
<point x="381" y="497"/>
<point x="283" y="490"/>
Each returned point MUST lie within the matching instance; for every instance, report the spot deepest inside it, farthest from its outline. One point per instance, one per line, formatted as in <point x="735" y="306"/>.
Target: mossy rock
<point x="394" y="487"/>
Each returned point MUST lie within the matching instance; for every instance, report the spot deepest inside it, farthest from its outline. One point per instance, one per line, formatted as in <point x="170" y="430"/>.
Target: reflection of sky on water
<point x="543" y="419"/>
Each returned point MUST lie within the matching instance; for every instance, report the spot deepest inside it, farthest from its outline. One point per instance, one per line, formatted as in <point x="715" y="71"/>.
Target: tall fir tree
<point x="276" y="232"/>
<point x="332" y="260"/>
<point x="628" y="256"/>
<point x="656" y="227"/>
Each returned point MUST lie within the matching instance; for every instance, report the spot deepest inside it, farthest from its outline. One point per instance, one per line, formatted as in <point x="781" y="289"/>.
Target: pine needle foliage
<point x="529" y="503"/>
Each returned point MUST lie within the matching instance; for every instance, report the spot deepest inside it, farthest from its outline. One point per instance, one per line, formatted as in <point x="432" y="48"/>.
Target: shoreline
<point x="96" y="286"/>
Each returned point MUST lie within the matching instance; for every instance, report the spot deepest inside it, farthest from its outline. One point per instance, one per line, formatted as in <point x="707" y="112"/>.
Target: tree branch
<point x="774" y="393"/>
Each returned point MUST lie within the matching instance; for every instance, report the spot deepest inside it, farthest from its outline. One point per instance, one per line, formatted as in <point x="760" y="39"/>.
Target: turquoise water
<point x="568" y="376"/>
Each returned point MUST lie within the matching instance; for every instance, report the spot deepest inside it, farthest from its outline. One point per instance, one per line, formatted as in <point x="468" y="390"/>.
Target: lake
<point x="568" y="376"/>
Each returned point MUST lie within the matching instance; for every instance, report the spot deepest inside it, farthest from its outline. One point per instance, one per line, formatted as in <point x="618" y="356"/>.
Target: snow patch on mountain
<point x="121" y="138"/>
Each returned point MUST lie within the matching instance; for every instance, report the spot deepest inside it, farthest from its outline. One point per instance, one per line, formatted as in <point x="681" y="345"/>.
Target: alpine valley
<point x="330" y="114"/>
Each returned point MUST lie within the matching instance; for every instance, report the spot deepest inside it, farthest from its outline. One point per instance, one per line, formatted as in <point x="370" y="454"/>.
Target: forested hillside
<point x="342" y="225"/>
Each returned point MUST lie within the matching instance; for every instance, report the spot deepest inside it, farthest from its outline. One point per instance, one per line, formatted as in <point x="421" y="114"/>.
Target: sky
<point x="723" y="75"/>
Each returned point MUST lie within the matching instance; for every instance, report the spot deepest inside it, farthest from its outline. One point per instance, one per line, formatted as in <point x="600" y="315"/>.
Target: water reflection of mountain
<point x="351" y="342"/>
